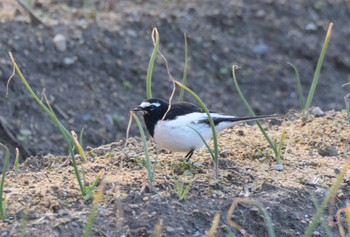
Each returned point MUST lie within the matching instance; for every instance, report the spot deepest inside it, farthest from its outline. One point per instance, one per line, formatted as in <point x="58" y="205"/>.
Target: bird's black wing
<point x="178" y="109"/>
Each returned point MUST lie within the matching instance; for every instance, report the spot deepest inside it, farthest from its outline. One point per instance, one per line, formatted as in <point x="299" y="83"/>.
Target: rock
<point x="316" y="233"/>
<point x="328" y="151"/>
<point x="260" y="13"/>
<point x="69" y="60"/>
<point x="311" y="26"/>
<point x="278" y="167"/>
<point x="316" y="111"/>
<point x="60" y="42"/>
<point x="169" y="229"/>
<point x="131" y="33"/>
<point x="260" y="49"/>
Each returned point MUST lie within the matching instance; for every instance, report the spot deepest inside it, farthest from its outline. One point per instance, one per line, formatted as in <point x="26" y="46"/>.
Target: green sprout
<point x="305" y="107"/>
<point x="71" y="141"/>
<point x="182" y="189"/>
<point x="155" y="38"/>
<point x="276" y="148"/>
<point x="3" y="204"/>
<point x="184" y="76"/>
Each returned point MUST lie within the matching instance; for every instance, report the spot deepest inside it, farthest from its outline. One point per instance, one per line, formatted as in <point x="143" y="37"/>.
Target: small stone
<point x="311" y="26"/>
<point x="328" y="151"/>
<point x="197" y="234"/>
<point x="69" y="60"/>
<point x="260" y="13"/>
<point x="260" y="49"/>
<point x="60" y="42"/>
<point x="316" y="233"/>
<point x="224" y="154"/>
<point x="131" y="33"/>
<point x="316" y="111"/>
<point x="145" y="199"/>
<point x="134" y="206"/>
<point x="278" y="167"/>
<point x="337" y="171"/>
<point x="169" y="229"/>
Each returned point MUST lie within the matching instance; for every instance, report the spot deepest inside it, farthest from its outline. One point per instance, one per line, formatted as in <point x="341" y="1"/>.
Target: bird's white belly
<point x="181" y="138"/>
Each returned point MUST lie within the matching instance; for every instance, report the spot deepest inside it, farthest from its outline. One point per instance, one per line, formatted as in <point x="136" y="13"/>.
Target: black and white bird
<point x="174" y="131"/>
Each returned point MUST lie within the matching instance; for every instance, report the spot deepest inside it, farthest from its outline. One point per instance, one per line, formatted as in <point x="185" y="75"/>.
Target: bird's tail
<point x="254" y="118"/>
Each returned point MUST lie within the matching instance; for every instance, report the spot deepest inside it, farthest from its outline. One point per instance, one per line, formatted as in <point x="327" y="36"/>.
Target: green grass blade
<point x="330" y="194"/>
<point x="78" y="146"/>
<point x="212" y="125"/>
<point x="81" y="136"/>
<point x="300" y="88"/>
<point x="205" y="143"/>
<point x="272" y="145"/>
<point x="23" y="226"/>
<point x="184" y="76"/>
<point x="323" y="222"/>
<point x="347" y="108"/>
<point x="66" y="135"/>
<point x="16" y="165"/>
<point x="36" y="98"/>
<point x="279" y="149"/>
<point x="145" y="147"/>
<point x="7" y="161"/>
<point x="268" y="221"/>
<point x="93" y="211"/>
<point x="155" y="38"/>
<point x="318" y="68"/>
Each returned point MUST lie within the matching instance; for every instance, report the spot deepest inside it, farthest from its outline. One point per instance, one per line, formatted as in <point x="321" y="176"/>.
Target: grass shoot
<point x="305" y="107"/>
<point x="184" y="76"/>
<point x="249" y="201"/>
<point x="155" y="38"/>
<point x="182" y="189"/>
<point x="70" y="140"/>
<point x="276" y="148"/>
<point x="145" y="147"/>
<point x="215" y="154"/>
<point x="90" y="220"/>
<point x="3" y="201"/>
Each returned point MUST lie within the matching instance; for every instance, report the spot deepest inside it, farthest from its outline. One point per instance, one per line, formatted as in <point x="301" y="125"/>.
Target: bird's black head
<point x="152" y="110"/>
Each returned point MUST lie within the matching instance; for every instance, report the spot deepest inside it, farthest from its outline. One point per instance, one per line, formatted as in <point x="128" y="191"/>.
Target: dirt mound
<point x="101" y="73"/>
<point x="313" y="154"/>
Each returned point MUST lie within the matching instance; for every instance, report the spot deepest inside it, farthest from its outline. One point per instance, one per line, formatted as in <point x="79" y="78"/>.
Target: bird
<point x="174" y="128"/>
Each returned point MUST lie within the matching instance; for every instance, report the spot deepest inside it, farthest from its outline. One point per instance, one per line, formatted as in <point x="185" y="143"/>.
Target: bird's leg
<point x="188" y="155"/>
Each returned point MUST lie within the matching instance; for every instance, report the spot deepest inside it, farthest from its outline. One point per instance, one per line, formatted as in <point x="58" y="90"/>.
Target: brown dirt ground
<point x="313" y="154"/>
<point x="110" y="54"/>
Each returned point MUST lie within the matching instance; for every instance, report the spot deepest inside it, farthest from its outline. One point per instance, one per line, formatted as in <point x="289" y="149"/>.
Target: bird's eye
<point x="152" y="107"/>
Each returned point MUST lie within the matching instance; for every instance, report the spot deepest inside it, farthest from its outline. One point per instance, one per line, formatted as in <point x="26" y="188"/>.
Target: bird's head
<point x="152" y="108"/>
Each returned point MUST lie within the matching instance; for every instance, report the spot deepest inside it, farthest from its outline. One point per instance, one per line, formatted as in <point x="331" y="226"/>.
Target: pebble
<point x="69" y="60"/>
<point x="328" y="151"/>
<point x="316" y="111"/>
<point x="260" y="13"/>
<point x="311" y="26"/>
<point x="134" y="206"/>
<point x="60" y="42"/>
<point x="260" y="49"/>
<point x="316" y="233"/>
<point x="131" y="33"/>
<point x="169" y="229"/>
<point x="278" y="167"/>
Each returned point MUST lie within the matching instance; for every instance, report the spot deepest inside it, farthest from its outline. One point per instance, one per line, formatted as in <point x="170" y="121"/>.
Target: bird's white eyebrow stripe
<point x="148" y="104"/>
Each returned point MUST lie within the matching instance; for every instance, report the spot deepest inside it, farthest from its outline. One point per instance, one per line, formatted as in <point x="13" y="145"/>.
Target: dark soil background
<point x="101" y="74"/>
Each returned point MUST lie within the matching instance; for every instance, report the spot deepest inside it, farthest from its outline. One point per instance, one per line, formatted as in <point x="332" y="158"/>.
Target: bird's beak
<point x="137" y="108"/>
